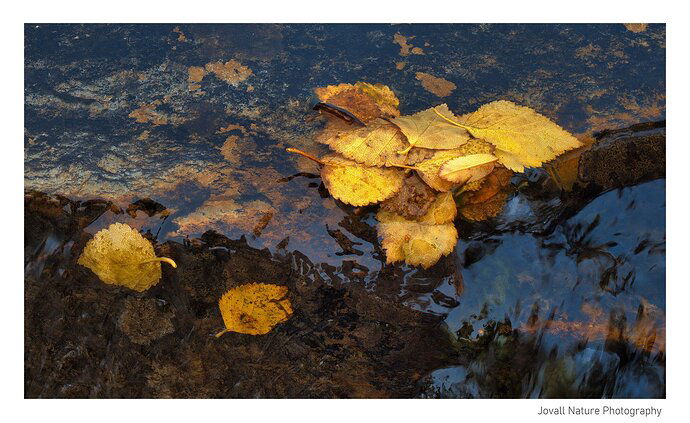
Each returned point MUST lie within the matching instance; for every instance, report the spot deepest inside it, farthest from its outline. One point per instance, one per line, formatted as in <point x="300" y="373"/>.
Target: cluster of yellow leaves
<point x="450" y="154"/>
<point x="119" y="255"/>
<point x="254" y="308"/>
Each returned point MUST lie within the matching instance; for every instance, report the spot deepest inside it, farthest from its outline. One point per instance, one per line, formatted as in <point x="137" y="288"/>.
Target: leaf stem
<point x="307" y="155"/>
<point x="162" y="259"/>
<point x="403" y="166"/>
<point x="224" y="331"/>
<point x="467" y="128"/>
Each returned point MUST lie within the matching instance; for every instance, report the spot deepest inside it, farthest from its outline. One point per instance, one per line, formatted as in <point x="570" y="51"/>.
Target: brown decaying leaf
<point x="359" y="185"/>
<point x="427" y="129"/>
<point x="491" y="185"/>
<point x="366" y="101"/>
<point x="468" y="168"/>
<point x="413" y="200"/>
<point x="119" y="255"/>
<point x="486" y="209"/>
<point x="528" y="138"/>
<point x="255" y="308"/>
<point x="422" y="242"/>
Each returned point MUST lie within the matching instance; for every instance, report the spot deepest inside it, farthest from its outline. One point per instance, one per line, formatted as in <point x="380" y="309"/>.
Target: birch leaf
<point x="120" y="255"/>
<point x="529" y="137"/>
<point x="359" y="185"/>
<point x="255" y="308"/>
<point x="416" y="243"/>
<point x="427" y="129"/>
<point x="467" y="169"/>
<point x="421" y="242"/>
<point x="374" y="145"/>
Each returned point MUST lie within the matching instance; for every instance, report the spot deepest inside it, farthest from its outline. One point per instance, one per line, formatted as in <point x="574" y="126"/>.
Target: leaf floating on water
<point x="375" y="145"/>
<point x="467" y="169"/>
<point x="422" y="242"/>
<point x="427" y="129"/>
<point x="255" y="308"/>
<point x="120" y="255"/>
<point x="359" y="185"/>
<point x="529" y="137"/>
<point x="442" y="210"/>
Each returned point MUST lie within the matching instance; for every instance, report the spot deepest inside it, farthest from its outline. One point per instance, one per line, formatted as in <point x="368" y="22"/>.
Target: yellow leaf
<point x="119" y="255"/>
<point x="509" y="160"/>
<point x="442" y="210"/>
<point x="528" y="138"/>
<point x="254" y="308"/>
<point x="429" y="169"/>
<point x="420" y="242"/>
<point x="428" y="129"/>
<point x="374" y="145"/>
<point x="359" y="185"/>
<point x="467" y="169"/>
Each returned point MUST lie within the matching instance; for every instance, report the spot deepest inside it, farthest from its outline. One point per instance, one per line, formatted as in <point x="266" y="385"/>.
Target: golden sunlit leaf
<point x="254" y="308"/>
<point x="119" y="255"/>
<point x="415" y="243"/>
<point x="420" y="242"/>
<point x="467" y="168"/>
<point x="442" y="210"/>
<point x="359" y="185"/>
<point x="374" y="145"/>
<point x="427" y="129"/>
<point x="429" y="169"/>
<point x="524" y="137"/>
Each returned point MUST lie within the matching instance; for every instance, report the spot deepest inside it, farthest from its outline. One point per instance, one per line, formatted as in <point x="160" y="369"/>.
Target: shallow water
<point x="561" y="295"/>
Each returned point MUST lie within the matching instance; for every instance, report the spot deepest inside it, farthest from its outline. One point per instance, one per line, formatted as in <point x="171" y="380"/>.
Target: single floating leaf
<point x="255" y="308"/>
<point x="359" y="185"/>
<point x="119" y="255"/>
<point x="428" y="129"/>
<point x="528" y="138"/>
<point x="467" y="169"/>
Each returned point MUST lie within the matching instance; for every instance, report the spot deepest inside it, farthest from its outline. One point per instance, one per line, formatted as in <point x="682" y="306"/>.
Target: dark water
<point x="561" y="295"/>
